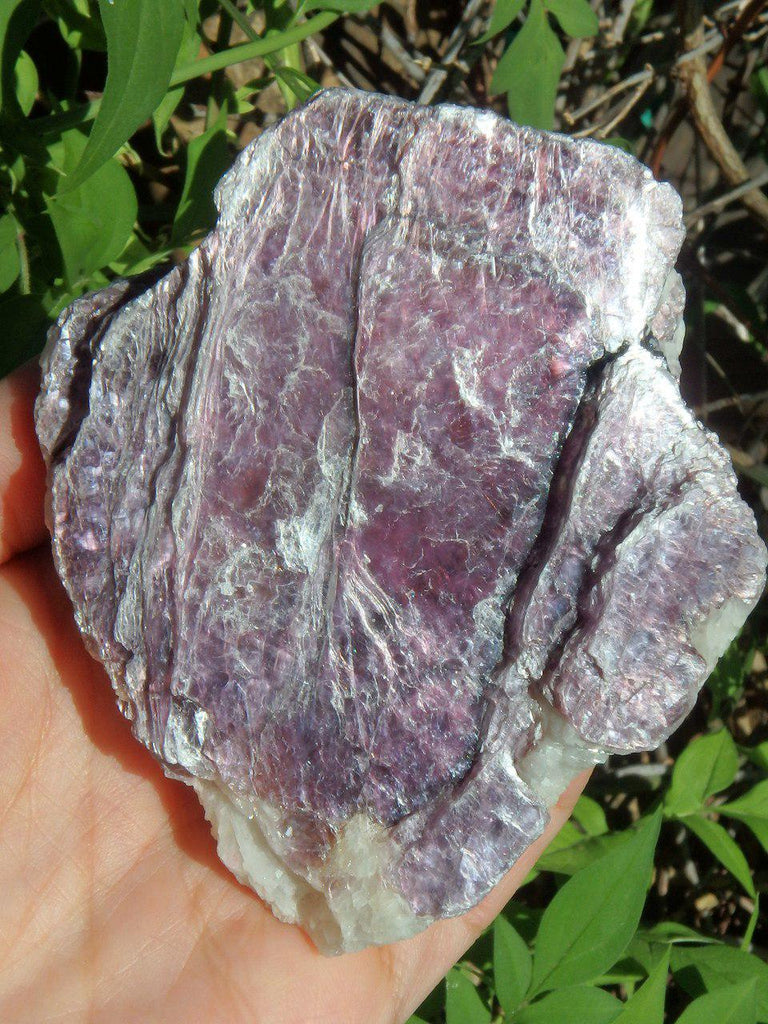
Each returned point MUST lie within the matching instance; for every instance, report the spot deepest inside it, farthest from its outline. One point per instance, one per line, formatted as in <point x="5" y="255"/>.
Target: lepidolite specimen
<point x="383" y="510"/>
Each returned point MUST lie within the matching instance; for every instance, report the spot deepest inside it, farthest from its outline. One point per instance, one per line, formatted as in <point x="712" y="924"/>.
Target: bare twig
<point x="716" y="205"/>
<point x="615" y="90"/>
<point x="437" y="76"/>
<point x="695" y="49"/>
<point x="693" y="76"/>
<point x="391" y="41"/>
<point x="603" y="131"/>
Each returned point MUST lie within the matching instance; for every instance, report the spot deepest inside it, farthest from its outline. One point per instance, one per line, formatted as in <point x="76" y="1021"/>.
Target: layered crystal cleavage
<point x="383" y="511"/>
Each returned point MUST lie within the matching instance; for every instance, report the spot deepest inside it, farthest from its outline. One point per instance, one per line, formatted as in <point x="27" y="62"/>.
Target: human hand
<point x="114" y="906"/>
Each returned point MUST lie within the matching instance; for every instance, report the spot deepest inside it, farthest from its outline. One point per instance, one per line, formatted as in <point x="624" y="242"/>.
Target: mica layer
<point x="383" y="510"/>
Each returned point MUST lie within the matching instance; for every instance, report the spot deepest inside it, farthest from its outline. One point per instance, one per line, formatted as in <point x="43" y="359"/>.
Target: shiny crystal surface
<point x="383" y="511"/>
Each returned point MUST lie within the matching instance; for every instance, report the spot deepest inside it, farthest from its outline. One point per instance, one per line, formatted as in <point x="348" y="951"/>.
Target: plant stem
<point x="237" y="16"/>
<point x="24" y="278"/>
<point x="258" y="48"/>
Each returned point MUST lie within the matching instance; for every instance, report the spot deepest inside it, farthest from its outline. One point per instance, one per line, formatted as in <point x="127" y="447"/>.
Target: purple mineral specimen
<point x="383" y="511"/>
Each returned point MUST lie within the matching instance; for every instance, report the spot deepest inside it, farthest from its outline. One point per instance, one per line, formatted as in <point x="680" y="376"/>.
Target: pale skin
<point x="113" y="905"/>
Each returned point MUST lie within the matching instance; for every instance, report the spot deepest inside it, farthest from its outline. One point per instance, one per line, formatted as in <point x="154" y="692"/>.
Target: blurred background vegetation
<point x="117" y="117"/>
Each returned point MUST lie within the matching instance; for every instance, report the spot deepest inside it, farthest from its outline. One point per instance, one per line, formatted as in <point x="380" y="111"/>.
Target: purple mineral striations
<point x="383" y="510"/>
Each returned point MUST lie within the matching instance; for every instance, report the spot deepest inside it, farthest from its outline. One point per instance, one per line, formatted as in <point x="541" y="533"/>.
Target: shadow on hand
<point x="34" y="578"/>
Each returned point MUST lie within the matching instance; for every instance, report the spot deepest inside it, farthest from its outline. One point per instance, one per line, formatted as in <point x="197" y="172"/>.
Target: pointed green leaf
<point x="94" y="222"/>
<point x="568" y="1005"/>
<point x="462" y="1003"/>
<point x="511" y="965"/>
<point x="529" y="71"/>
<point x="732" y="1005"/>
<point x="647" y="1004"/>
<point x="758" y="754"/>
<point x="143" y="39"/>
<point x="591" y="920"/>
<point x="26" y="82"/>
<point x="754" y="804"/>
<point x="717" y="840"/>
<point x="591" y="816"/>
<point x="9" y="253"/>
<point x="698" y="969"/>
<point x="17" y="19"/>
<point x="78" y="22"/>
<point x="576" y="17"/>
<point x="504" y="13"/>
<point x="208" y="157"/>
<point x="190" y="44"/>
<point x="706" y="766"/>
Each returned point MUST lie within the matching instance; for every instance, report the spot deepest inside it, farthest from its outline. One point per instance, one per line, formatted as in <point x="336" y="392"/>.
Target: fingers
<point x="424" y="959"/>
<point x="22" y="472"/>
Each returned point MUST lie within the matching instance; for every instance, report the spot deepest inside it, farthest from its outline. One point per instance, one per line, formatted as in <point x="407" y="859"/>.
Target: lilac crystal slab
<point x="383" y="510"/>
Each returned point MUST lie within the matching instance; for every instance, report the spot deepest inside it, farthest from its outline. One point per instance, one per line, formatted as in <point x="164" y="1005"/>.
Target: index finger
<point x="22" y="471"/>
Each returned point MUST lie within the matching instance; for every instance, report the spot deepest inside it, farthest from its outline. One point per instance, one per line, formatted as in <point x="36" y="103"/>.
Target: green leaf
<point x="208" y="157"/>
<point x="591" y="920"/>
<point x="301" y="85"/>
<point x="26" y="82"/>
<point x="717" y="840"/>
<point x="143" y="39"/>
<point x="504" y="13"/>
<point x="462" y="1003"/>
<point x="732" y="1005"/>
<point x="511" y="965"/>
<point x="758" y="754"/>
<point x="568" y="1005"/>
<point x="754" y="804"/>
<point x="706" y="766"/>
<point x="10" y="265"/>
<point x="567" y="860"/>
<point x="342" y="6"/>
<point x="576" y="17"/>
<point x="700" y="969"/>
<point x="591" y="816"/>
<point x="647" y="1004"/>
<point x="79" y="23"/>
<point x="17" y="19"/>
<point x="529" y="71"/>
<point x="726" y="681"/>
<point x="93" y="222"/>
<point x="672" y="931"/>
<point x="190" y="44"/>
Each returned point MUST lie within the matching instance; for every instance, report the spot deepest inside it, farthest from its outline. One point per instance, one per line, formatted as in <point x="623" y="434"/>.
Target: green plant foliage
<point x="591" y="920"/>
<point x="574" y="1003"/>
<point x="93" y="222"/>
<point x="752" y="810"/>
<point x="10" y="264"/>
<point x="732" y="1005"/>
<point x="208" y="156"/>
<point x="576" y="17"/>
<point x="511" y="965"/>
<point x="504" y="13"/>
<point x="529" y="69"/>
<point x="143" y="40"/>
<point x="707" y="766"/>
<point x="647" y="1004"/>
<point x="700" y="969"/>
<point x="462" y="1003"/>
<point x="723" y="847"/>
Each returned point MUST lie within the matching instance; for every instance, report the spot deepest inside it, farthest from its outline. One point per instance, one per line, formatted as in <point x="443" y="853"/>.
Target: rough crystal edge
<point x="339" y="920"/>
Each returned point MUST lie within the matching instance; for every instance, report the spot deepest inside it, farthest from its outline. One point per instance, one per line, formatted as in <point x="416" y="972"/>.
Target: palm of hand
<point x="114" y="904"/>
